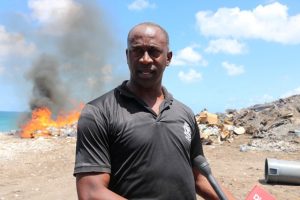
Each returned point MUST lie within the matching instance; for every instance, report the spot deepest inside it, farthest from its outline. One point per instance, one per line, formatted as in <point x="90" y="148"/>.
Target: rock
<point x="239" y="130"/>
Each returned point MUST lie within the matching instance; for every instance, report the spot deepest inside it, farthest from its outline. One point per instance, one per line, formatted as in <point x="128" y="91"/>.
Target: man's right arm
<point x="95" y="186"/>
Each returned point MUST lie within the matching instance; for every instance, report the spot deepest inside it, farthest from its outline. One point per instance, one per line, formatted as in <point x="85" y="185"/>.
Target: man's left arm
<point x="205" y="190"/>
<point x="203" y="187"/>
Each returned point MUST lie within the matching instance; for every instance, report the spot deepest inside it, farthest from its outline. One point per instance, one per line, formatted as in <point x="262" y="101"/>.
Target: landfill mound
<point x="271" y="126"/>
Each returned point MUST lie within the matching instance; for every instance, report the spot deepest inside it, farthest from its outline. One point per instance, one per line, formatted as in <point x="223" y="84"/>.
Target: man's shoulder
<point x="108" y="101"/>
<point x="97" y="105"/>
<point x="101" y="100"/>
<point x="103" y="105"/>
<point x="180" y="105"/>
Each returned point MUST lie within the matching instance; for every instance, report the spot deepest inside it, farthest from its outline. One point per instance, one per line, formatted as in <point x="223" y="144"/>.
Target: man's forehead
<point x="146" y="30"/>
<point x="148" y="37"/>
<point x="150" y="31"/>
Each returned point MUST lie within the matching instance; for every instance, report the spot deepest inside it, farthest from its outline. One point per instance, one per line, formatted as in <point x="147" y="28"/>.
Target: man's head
<point x="147" y="54"/>
<point x="149" y="24"/>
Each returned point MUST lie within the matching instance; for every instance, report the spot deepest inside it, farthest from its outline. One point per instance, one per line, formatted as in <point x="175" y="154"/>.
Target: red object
<point x="258" y="193"/>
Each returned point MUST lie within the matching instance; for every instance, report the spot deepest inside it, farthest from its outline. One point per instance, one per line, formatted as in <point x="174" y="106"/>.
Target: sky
<point x="226" y="54"/>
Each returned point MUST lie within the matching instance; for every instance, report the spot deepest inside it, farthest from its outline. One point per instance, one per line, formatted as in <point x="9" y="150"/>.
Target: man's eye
<point x="138" y="52"/>
<point x="154" y="53"/>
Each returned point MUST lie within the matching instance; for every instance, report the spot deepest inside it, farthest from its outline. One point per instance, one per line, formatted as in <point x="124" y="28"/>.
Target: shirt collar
<point x="123" y="89"/>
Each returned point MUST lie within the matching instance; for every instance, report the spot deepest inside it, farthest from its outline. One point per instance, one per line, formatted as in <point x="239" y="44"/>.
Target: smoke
<point x="87" y="44"/>
<point x="48" y="89"/>
<point x="75" y="63"/>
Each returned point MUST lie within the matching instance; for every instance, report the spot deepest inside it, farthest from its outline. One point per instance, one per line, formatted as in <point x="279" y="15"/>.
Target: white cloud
<point x="270" y="22"/>
<point x="53" y="15"/>
<point x="14" y="44"/>
<point x="191" y="76"/>
<point x="188" y="56"/>
<point x="292" y="92"/>
<point x="140" y="5"/>
<point x="232" y="69"/>
<point x="230" y="46"/>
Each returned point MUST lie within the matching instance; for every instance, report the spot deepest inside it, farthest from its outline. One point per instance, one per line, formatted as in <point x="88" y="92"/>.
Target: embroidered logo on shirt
<point x="187" y="131"/>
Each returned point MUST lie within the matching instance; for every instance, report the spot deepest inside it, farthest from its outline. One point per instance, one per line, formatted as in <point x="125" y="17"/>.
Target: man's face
<point x="147" y="55"/>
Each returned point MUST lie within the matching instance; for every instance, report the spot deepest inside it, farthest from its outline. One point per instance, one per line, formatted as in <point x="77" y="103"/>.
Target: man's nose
<point x="146" y="58"/>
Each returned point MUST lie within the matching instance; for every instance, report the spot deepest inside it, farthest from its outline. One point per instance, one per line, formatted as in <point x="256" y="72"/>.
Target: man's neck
<point x="153" y="92"/>
<point x="152" y="96"/>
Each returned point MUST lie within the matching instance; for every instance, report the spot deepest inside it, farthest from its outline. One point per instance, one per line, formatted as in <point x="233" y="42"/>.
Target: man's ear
<point x="127" y="55"/>
<point x="169" y="57"/>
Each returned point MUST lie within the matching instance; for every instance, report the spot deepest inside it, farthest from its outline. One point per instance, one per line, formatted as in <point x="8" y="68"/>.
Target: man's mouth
<point x="145" y="74"/>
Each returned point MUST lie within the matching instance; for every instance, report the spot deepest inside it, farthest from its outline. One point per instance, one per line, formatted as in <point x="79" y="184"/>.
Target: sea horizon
<point x="10" y="120"/>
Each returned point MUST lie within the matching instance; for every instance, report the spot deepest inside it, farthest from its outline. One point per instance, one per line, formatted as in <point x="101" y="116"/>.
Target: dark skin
<point x="147" y="57"/>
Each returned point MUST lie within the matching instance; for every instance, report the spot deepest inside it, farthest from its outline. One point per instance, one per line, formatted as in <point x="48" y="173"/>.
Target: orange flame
<point x="42" y="124"/>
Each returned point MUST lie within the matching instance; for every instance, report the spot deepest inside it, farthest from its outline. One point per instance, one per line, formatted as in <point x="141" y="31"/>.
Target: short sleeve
<point x="196" y="146"/>
<point x="92" y="147"/>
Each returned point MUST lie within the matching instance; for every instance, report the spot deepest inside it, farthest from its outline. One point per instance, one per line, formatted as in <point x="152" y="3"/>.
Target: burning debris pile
<point x="272" y="126"/>
<point x="42" y="124"/>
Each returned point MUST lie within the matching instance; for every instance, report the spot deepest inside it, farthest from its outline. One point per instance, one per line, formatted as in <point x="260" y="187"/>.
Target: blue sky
<point x="226" y="54"/>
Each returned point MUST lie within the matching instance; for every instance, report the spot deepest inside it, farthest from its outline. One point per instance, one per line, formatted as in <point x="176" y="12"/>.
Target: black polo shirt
<point x="148" y="155"/>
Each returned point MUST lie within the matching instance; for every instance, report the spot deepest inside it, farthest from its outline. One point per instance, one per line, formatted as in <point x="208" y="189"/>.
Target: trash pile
<point x="215" y="128"/>
<point x="68" y="130"/>
<point x="272" y="126"/>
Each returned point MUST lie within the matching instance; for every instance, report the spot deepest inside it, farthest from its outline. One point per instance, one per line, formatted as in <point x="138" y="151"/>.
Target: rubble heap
<point x="277" y="118"/>
<point x="272" y="126"/>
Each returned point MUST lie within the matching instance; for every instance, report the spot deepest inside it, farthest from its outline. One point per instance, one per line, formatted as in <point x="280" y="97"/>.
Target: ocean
<point x="9" y="120"/>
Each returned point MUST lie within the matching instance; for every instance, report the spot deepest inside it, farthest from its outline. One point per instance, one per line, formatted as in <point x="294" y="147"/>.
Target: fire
<point x="41" y="123"/>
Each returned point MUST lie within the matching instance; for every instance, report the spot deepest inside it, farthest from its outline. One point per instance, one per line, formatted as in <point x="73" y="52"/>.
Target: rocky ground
<point x="42" y="168"/>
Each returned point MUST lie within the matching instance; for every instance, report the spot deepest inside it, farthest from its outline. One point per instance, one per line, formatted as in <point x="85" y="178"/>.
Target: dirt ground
<point x="41" y="169"/>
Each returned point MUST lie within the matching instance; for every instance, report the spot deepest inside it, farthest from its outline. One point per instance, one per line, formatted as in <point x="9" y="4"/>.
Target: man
<point x="137" y="141"/>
